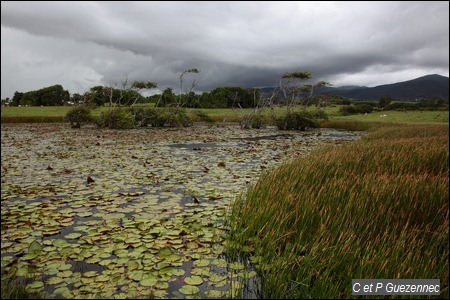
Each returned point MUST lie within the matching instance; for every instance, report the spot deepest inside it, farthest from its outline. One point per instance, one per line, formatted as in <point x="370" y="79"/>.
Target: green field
<point x="57" y="113"/>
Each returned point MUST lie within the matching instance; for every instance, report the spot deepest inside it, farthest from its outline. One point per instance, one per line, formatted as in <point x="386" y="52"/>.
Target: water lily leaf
<point x="6" y="245"/>
<point x="214" y="277"/>
<point x="37" y="233"/>
<point x="81" y="228"/>
<point x="149" y="281"/>
<point x="220" y="262"/>
<point x="61" y="290"/>
<point x="137" y="275"/>
<point x="54" y="280"/>
<point x="102" y="278"/>
<point x="65" y="274"/>
<point x="132" y="264"/>
<point x="202" y="263"/>
<point x="29" y="256"/>
<point x="193" y="280"/>
<point x="162" y="285"/>
<point x="189" y="290"/>
<point x="161" y="265"/>
<point x="89" y="274"/>
<point x="86" y="280"/>
<point x="85" y="253"/>
<point x="36" y="285"/>
<point x="59" y="243"/>
<point x="165" y="252"/>
<point x="172" y="258"/>
<point x="22" y="270"/>
<point x="213" y="294"/>
<point x="35" y="248"/>
<point x="52" y="271"/>
<point x="221" y="283"/>
<point x="178" y="272"/>
<point x="85" y="214"/>
<point x="49" y="249"/>
<point x="73" y="235"/>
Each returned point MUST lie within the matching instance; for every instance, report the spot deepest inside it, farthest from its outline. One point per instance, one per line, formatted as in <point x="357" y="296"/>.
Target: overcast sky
<point x="250" y="44"/>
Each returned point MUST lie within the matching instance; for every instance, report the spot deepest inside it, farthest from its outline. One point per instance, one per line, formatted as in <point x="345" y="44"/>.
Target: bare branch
<point x="191" y="70"/>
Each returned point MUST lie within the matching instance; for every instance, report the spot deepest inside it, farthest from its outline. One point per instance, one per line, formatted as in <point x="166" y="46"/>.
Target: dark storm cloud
<point x="81" y="44"/>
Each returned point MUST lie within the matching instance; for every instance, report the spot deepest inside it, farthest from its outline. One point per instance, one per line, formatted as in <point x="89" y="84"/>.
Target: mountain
<point x="428" y="86"/>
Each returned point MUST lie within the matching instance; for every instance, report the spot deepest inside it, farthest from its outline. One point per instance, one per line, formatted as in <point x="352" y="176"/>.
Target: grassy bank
<point x="376" y="208"/>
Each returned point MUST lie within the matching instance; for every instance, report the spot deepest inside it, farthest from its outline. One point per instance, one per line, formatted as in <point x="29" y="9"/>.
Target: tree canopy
<point x="49" y="96"/>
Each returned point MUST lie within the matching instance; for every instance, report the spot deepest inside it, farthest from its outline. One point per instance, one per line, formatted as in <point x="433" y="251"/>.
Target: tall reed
<point x="375" y="208"/>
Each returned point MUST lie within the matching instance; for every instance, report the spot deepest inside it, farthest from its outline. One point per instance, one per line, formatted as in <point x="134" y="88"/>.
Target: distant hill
<point x="423" y="87"/>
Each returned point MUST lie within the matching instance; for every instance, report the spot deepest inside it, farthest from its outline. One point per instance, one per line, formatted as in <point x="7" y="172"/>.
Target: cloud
<point x="82" y="44"/>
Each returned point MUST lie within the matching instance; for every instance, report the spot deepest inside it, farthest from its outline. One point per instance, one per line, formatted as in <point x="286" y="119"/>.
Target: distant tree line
<point x="221" y="97"/>
<point x="53" y="95"/>
<point x="388" y="103"/>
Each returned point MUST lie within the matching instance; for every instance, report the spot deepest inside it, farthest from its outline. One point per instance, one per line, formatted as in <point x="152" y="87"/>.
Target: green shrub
<point x="78" y="115"/>
<point x="355" y="109"/>
<point x="174" y="117"/>
<point x="259" y="121"/>
<point x="117" y="118"/>
<point x="139" y="116"/>
<point x="319" y="115"/>
<point x="299" y="120"/>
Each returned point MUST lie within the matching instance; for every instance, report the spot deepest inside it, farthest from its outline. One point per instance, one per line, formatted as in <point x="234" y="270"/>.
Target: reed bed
<point x="375" y="208"/>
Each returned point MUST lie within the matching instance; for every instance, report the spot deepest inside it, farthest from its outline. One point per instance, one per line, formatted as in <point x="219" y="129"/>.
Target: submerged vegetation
<point x="375" y="208"/>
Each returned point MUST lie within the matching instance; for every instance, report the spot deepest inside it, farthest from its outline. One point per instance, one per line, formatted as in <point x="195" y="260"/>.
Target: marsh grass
<point x="375" y="208"/>
<point x="15" y="288"/>
<point x="348" y="124"/>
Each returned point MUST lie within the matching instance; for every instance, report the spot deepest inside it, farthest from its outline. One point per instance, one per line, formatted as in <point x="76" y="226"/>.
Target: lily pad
<point x="54" y="280"/>
<point x="213" y="294"/>
<point x="202" y="263"/>
<point x="29" y="256"/>
<point x="73" y="235"/>
<point x="35" y="248"/>
<point x="189" y="290"/>
<point x="59" y="243"/>
<point x="151" y="281"/>
<point x="193" y="280"/>
<point x="36" y="285"/>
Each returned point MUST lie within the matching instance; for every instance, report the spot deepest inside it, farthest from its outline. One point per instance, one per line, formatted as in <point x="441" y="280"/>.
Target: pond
<point x="135" y="213"/>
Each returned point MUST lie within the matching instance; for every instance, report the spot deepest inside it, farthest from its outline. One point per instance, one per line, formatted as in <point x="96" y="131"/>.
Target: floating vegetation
<point x="125" y="214"/>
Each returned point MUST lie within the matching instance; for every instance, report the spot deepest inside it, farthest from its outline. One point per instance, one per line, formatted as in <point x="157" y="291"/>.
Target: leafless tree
<point x="181" y="103"/>
<point x="260" y="103"/>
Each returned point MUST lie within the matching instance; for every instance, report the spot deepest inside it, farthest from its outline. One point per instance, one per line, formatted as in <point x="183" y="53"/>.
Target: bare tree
<point x="260" y="103"/>
<point x="128" y="93"/>
<point x="192" y="70"/>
